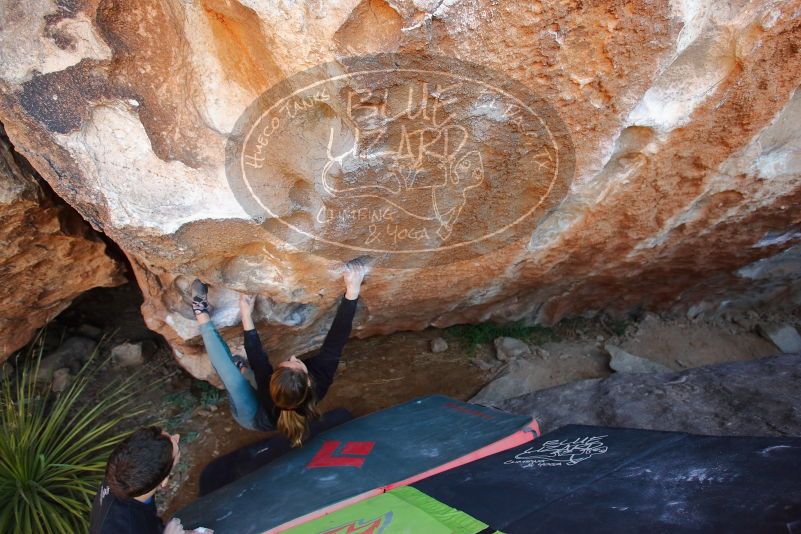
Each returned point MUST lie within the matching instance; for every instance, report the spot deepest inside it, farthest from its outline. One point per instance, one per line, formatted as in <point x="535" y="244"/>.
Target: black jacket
<point x="112" y="515"/>
<point x="321" y="367"/>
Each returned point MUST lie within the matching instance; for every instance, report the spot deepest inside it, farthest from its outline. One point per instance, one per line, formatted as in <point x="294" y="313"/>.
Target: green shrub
<point x="615" y="326"/>
<point x="473" y="335"/>
<point x="209" y="395"/>
<point x="54" y="447"/>
<point x="183" y="400"/>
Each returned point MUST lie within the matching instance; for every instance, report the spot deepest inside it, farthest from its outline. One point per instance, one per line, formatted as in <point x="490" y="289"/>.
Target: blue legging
<point x="241" y="395"/>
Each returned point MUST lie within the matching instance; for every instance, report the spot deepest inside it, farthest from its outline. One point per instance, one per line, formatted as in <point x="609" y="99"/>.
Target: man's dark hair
<point x="139" y="463"/>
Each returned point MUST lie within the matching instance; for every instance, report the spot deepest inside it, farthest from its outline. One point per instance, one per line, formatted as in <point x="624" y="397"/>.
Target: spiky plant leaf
<point x="54" y="447"/>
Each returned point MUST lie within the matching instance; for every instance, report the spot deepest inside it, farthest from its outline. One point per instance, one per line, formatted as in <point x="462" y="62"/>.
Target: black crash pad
<point x="598" y="479"/>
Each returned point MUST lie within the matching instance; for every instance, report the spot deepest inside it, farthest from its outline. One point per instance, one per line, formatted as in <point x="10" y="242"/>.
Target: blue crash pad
<point x="354" y="458"/>
<point x="225" y="469"/>
<point x="611" y="480"/>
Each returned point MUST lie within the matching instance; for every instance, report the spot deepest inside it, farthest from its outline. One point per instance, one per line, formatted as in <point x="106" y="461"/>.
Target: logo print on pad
<point x="560" y="452"/>
<point x="363" y="526"/>
<point x="334" y="454"/>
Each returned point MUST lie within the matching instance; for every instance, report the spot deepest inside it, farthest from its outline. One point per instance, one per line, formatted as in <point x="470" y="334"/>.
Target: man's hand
<point x="175" y="527"/>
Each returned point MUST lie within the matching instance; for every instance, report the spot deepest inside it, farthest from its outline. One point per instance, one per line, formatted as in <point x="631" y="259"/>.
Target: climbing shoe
<point x="240" y="362"/>
<point x="200" y="300"/>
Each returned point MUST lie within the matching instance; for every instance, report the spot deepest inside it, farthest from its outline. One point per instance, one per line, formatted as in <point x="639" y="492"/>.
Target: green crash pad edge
<point x="401" y="510"/>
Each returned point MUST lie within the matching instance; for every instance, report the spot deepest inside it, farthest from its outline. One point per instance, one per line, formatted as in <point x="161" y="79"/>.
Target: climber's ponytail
<point x="293" y="394"/>
<point x="292" y="425"/>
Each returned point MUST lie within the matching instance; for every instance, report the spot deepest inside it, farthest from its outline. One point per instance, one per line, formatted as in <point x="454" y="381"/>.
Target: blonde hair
<point x="293" y="394"/>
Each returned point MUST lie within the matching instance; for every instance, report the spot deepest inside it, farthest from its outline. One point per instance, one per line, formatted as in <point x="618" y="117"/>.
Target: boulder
<point x="785" y="337"/>
<point x="518" y="377"/>
<point x="749" y="398"/>
<point x="61" y="380"/>
<point x="49" y="255"/>
<point x="623" y="362"/>
<point x="127" y="355"/>
<point x="73" y="351"/>
<point x="507" y="348"/>
<point x="667" y="138"/>
<point x="438" y="344"/>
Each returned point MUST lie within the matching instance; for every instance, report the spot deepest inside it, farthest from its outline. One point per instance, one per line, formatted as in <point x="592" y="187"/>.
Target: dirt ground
<point x="379" y="372"/>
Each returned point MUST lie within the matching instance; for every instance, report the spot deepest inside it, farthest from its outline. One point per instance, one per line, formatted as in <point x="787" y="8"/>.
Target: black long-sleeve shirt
<point x="112" y="515"/>
<point x="321" y="368"/>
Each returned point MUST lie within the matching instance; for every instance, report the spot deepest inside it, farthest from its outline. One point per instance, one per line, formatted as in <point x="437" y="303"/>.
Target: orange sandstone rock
<point x="683" y="118"/>
<point x="49" y="255"/>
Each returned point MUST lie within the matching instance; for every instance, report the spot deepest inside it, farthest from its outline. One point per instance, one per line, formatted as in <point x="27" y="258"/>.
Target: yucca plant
<point x="54" y="447"/>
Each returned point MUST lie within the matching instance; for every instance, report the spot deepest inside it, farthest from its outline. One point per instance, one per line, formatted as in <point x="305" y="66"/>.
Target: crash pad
<point x="245" y="460"/>
<point x="599" y="479"/>
<point x="403" y="510"/>
<point x="356" y="460"/>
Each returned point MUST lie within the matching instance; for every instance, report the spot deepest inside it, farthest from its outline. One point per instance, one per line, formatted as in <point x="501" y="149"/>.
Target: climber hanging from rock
<point x="285" y="399"/>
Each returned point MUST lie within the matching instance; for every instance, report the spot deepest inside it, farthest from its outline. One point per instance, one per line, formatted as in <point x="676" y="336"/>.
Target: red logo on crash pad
<point x="363" y="526"/>
<point x="334" y="454"/>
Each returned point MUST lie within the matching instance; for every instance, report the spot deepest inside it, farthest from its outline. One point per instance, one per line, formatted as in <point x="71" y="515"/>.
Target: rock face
<point x="755" y="398"/>
<point x="49" y="255"/>
<point x="671" y="129"/>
